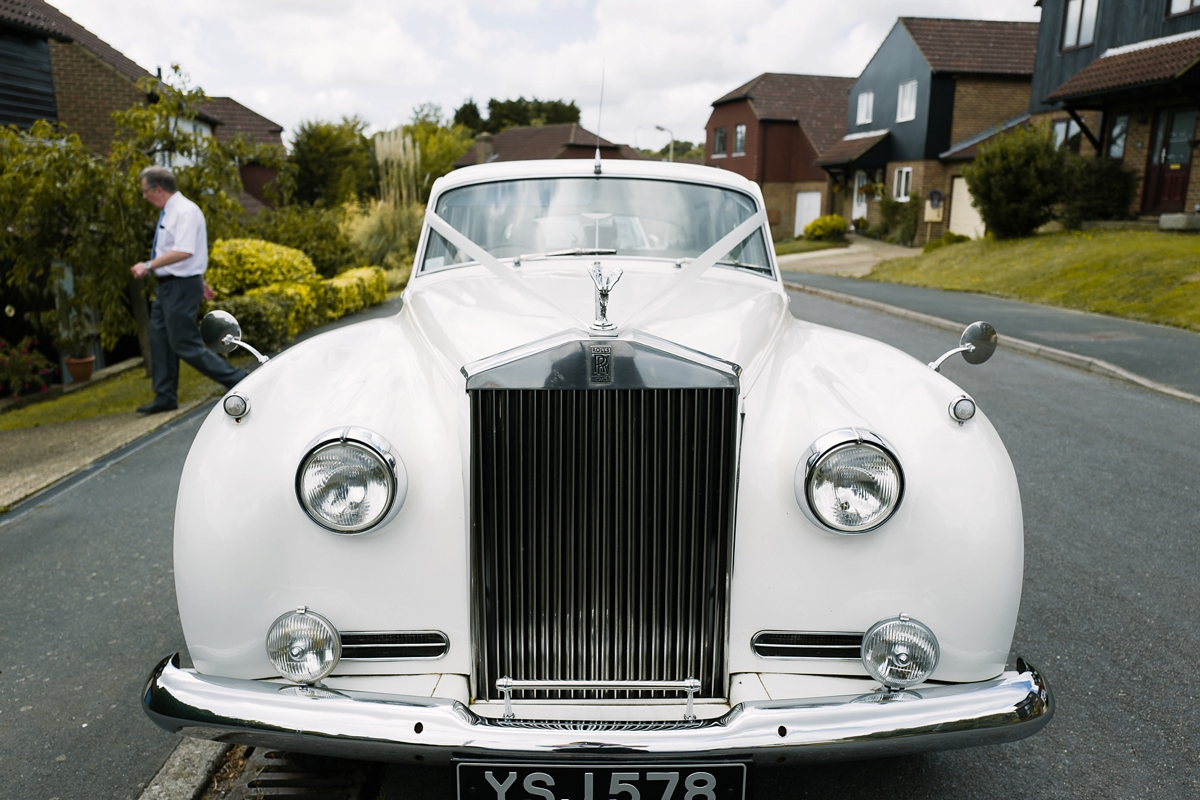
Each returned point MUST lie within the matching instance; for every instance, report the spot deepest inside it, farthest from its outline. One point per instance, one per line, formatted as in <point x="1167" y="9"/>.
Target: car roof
<point x="580" y="167"/>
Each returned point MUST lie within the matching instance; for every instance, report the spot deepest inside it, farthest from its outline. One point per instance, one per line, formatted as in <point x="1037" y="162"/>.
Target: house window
<point x="739" y="140"/>
<point x="1182" y="6"/>
<point x="1080" y="27"/>
<point x="906" y="103"/>
<point x="902" y="183"/>
<point x="1067" y="134"/>
<point x="1116" y="137"/>
<point x="719" y="143"/>
<point x="866" y="106"/>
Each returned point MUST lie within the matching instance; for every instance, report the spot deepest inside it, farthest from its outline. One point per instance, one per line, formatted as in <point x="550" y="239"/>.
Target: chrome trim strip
<point x="349" y="649"/>
<point x="369" y="725"/>
<point x="563" y="361"/>
<point x="854" y="656"/>
<point x="508" y="685"/>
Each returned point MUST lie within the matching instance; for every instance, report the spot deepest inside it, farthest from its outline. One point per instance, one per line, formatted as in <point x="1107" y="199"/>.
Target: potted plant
<point x="76" y="339"/>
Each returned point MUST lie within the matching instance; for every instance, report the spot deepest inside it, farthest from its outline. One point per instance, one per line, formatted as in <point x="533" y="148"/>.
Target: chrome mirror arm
<point x="229" y="340"/>
<point x="936" y="366"/>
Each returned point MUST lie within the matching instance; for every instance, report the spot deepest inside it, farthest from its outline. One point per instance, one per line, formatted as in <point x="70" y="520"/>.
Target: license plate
<point x="490" y="781"/>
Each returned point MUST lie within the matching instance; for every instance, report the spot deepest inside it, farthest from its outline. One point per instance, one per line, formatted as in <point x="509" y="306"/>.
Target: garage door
<point x="964" y="217"/>
<point x="808" y="208"/>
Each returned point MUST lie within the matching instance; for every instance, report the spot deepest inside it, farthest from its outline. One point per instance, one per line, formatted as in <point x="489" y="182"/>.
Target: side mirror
<point x="977" y="344"/>
<point x="222" y="334"/>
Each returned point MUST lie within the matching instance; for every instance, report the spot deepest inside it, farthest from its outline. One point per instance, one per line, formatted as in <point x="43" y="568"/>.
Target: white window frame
<point x="1079" y="23"/>
<point x="739" y="140"/>
<point x="1187" y="6"/>
<point x="906" y="101"/>
<point x="902" y="184"/>
<point x="866" y="108"/>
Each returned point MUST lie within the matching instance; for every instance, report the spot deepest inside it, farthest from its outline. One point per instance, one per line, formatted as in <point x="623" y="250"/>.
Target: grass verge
<point x="789" y="246"/>
<point x="116" y="395"/>
<point x="1147" y="276"/>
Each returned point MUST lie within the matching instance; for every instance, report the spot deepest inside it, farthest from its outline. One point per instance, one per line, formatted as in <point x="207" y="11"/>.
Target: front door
<point x="859" y="209"/>
<point x="1170" y="161"/>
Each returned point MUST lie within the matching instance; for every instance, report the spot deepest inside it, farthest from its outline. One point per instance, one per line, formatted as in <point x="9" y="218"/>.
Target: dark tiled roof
<point x="28" y="15"/>
<point x="817" y="102"/>
<point x="1132" y="66"/>
<point x="850" y="148"/>
<point x="48" y="19"/>
<point x="544" y="141"/>
<point x="975" y="45"/>
<point x="233" y="118"/>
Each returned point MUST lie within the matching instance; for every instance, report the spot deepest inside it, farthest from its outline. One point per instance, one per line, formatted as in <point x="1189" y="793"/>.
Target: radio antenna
<point x="599" y="119"/>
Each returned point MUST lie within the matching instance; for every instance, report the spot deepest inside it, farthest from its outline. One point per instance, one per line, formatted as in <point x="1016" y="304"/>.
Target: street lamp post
<point x="671" y="156"/>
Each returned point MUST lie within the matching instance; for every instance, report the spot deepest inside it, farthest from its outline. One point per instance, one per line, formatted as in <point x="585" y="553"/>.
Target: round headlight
<point x="900" y="652"/>
<point x="850" y="482"/>
<point x="352" y="483"/>
<point x="303" y="647"/>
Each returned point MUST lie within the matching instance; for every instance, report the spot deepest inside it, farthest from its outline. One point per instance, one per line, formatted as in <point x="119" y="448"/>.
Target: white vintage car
<point x="594" y="515"/>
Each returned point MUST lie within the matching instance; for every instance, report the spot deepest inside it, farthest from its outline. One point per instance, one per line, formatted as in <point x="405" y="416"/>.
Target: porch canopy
<point x="866" y="149"/>
<point x="1137" y="72"/>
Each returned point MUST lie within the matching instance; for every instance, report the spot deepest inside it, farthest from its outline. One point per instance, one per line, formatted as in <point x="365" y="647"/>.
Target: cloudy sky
<point x="664" y="61"/>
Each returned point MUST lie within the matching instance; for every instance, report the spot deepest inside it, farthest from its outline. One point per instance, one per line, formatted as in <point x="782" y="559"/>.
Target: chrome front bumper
<point x="393" y="728"/>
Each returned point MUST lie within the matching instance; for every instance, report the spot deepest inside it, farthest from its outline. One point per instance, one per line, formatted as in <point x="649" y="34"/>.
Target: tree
<point x="1016" y="180"/>
<point x="519" y="113"/>
<point x="439" y="142"/>
<point x="334" y="162"/>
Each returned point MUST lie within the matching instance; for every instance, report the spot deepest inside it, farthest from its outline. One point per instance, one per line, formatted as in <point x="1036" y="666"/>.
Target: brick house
<point x="53" y="68"/>
<point x="569" y="140"/>
<point x="1121" y="80"/>
<point x="932" y="92"/>
<point x="771" y="131"/>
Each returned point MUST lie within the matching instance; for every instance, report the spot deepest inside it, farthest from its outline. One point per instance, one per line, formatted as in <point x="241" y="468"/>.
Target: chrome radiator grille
<point x="602" y="528"/>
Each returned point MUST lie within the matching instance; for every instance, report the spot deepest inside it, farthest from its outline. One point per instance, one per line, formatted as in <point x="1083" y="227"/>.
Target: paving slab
<point x="1166" y="355"/>
<point x="854" y="261"/>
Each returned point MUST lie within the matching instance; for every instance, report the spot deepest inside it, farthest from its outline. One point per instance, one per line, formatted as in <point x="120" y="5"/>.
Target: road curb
<point x="1086" y="363"/>
<point x="186" y="771"/>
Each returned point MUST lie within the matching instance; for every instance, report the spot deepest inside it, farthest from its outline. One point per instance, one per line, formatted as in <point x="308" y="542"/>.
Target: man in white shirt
<point x="178" y="259"/>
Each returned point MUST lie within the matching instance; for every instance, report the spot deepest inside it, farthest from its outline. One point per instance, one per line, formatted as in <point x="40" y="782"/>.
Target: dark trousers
<point x="174" y="334"/>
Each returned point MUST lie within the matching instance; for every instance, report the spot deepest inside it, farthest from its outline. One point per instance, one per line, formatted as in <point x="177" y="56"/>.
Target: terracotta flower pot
<point x="80" y="368"/>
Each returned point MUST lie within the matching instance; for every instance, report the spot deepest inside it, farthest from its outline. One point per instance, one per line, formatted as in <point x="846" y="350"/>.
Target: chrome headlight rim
<point x="915" y="627"/>
<point x="825" y="446"/>
<point x="379" y="448"/>
<point x="335" y="637"/>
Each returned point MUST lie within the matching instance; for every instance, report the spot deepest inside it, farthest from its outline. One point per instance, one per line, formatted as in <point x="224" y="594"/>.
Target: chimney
<point x="484" y="148"/>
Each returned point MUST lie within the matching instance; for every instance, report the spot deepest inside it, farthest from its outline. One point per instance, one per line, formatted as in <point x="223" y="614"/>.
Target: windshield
<point x="588" y="216"/>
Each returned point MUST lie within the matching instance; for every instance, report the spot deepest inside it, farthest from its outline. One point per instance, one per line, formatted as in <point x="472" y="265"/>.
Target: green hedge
<point x="829" y="228"/>
<point x="273" y="315"/>
<point x="238" y="265"/>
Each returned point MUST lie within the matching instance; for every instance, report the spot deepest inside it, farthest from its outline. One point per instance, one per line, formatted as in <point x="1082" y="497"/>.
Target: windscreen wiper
<point x="575" y="251"/>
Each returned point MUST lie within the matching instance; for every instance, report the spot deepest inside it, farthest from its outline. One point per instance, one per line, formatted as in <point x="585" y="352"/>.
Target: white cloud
<point x="664" y="62"/>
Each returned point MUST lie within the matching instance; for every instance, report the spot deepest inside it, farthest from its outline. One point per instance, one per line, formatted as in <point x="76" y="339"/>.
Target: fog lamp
<point x="303" y="647"/>
<point x="900" y="652"/>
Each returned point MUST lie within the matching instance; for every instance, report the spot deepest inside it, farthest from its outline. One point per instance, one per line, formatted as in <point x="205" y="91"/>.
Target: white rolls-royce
<point x="594" y="515"/>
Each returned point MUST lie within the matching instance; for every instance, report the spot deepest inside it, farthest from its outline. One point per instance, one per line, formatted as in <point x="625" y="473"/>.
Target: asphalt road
<point x="87" y="608"/>
<point x="1109" y="475"/>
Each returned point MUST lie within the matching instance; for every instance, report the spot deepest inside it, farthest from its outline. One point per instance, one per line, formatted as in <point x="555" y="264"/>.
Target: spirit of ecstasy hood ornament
<point x="604" y="284"/>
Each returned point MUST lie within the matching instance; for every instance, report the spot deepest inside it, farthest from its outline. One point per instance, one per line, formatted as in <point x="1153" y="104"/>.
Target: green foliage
<point x="333" y="162"/>
<point x="316" y="230"/>
<point x="439" y="144"/>
<point x="684" y="151"/>
<point x="1096" y="189"/>
<point x="274" y="314"/>
<point x="948" y="238"/>
<point x="831" y="227"/>
<point x="861" y="225"/>
<point x="1016" y="180"/>
<point x="519" y="113"/>
<point x="1143" y="275"/>
<point x="898" y="219"/>
<point x="23" y="369"/>
<point x="387" y="234"/>
<point x="236" y="265"/>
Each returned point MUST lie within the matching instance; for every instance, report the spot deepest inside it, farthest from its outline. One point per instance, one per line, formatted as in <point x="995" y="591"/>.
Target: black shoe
<point x="157" y="407"/>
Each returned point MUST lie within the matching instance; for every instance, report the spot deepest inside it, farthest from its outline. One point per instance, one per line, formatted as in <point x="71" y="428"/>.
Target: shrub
<point x="22" y="368"/>
<point x="948" y="238"/>
<point x="388" y="234"/>
<point x="263" y="317"/>
<point x="829" y="228"/>
<point x="353" y="290"/>
<point x="316" y="230"/>
<point x="235" y="265"/>
<point x="861" y="224"/>
<point x="1096" y="188"/>
<point x="898" y="219"/>
<point x="1016" y="180"/>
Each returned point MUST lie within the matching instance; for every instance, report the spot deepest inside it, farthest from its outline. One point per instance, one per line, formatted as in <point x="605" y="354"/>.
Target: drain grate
<point x="257" y="774"/>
